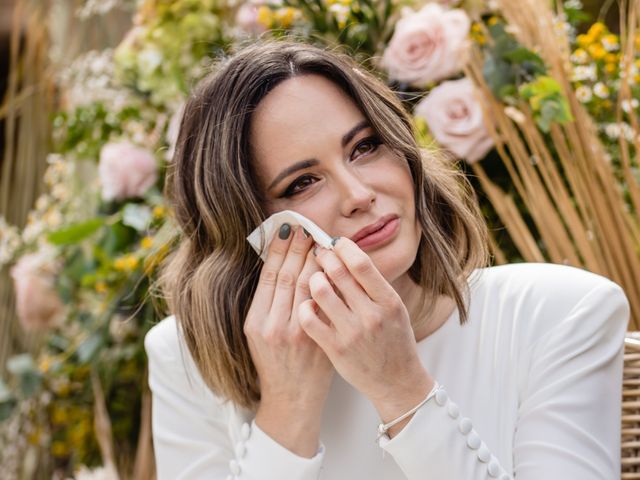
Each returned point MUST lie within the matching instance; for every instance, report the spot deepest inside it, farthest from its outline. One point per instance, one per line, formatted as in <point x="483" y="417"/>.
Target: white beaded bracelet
<point x="383" y="428"/>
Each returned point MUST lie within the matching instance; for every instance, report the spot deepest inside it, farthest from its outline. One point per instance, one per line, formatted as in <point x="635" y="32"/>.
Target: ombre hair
<point x="210" y="278"/>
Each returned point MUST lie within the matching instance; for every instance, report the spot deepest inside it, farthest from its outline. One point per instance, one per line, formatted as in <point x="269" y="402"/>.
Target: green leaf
<point x="75" y="233"/>
<point x="30" y="378"/>
<point x="6" y="408"/>
<point x="498" y="75"/>
<point x="5" y="393"/>
<point x="118" y="237"/>
<point x="521" y="55"/>
<point x="89" y="347"/>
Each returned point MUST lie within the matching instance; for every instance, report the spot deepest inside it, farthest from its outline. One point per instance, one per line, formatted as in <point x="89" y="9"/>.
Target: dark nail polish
<point x="285" y="231"/>
<point x="334" y="241"/>
<point x="306" y="234"/>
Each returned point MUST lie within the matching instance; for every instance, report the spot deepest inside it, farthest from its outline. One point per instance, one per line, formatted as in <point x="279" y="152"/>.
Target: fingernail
<point x="334" y="240"/>
<point x="315" y="251"/>
<point x="285" y="231"/>
<point x="306" y="234"/>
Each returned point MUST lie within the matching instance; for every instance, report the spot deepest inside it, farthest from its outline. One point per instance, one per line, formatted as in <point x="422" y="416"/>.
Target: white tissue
<point x="261" y="237"/>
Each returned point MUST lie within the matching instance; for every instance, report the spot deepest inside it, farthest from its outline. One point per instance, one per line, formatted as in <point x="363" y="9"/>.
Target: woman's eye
<point x="298" y="185"/>
<point x="366" y="146"/>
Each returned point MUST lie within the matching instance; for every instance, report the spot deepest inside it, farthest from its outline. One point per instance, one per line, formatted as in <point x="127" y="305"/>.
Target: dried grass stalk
<point x="102" y="425"/>
<point x="574" y="197"/>
<point x="25" y="109"/>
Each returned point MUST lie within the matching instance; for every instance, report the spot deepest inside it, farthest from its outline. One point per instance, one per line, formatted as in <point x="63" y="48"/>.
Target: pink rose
<point x="427" y="45"/>
<point x="455" y="120"/>
<point x="37" y="303"/>
<point x="126" y="171"/>
<point x="247" y="18"/>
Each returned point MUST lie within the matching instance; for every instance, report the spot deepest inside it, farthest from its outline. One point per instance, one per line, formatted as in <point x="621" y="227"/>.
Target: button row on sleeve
<point x="240" y="451"/>
<point x="474" y="441"/>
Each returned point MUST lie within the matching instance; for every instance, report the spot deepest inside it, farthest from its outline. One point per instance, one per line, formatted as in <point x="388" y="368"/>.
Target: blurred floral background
<point x="536" y="101"/>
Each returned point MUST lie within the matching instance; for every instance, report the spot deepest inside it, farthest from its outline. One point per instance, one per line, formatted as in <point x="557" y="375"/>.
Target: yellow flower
<point x="477" y="34"/>
<point x="101" y="287"/>
<point x="610" y="42"/>
<point x="59" y="415"/>
<point x="45" y="364"/>
<point x="610" y="67"/>
<point x="126" y="263"/>
<point x="596" y="30"/>
<point x="579" y="56"/>
<point x="285" y="16"/>
<point x="492" y="20"/>
<point x="265" y="16"/>
<point x="611" y="58"/>
<point x="596" y="51"/>
<point x="146" y="242"/>
<point x="637" y="42"/>
<point x="59" y="449"/>
<point x="584" y="40"/>
<point x="158" y="211"/>
<point x="34" y="437"/>
<point x="155" y="258"/>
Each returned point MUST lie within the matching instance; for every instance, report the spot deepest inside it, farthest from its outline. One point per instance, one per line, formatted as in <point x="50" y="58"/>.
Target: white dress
<point x="532" y="389"/>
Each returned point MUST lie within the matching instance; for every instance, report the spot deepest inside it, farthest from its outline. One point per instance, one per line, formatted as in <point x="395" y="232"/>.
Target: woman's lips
<point x="380" y="237"/>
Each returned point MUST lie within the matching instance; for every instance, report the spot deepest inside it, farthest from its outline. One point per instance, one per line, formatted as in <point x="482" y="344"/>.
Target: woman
<point x="283" y="370"/>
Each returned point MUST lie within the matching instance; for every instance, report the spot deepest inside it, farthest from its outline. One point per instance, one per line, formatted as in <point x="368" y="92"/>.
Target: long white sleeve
<point x="193" y="430"/>
<point x="568" y="423"/>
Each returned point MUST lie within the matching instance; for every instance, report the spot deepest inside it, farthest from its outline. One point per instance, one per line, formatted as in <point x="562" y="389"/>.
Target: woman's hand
<point x="369" y="338"/>
<point x="294" y="373"/>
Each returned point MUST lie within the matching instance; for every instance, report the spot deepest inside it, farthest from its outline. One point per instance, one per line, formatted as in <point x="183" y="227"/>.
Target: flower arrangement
<point x="482" y="85"/>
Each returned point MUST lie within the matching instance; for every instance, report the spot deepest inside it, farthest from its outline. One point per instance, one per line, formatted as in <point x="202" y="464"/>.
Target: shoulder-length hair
<point x="210" y="278"/>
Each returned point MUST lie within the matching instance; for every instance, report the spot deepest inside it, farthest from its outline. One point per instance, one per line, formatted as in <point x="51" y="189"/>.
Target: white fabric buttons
<point x="465" y="425"/>
<point x="441" y="397"/>
<point x="493" y="468"/>
<point x="473" y="440"/>
<point x="453" y="410"/>
<point x="484" y="455"/>
<point x="245" y="431"/>
<point x="241" y="449"/>
<point x="234" y="467"/>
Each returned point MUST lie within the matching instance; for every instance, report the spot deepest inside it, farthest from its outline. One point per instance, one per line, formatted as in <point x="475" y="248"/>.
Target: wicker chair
<point x="631" y="407"/>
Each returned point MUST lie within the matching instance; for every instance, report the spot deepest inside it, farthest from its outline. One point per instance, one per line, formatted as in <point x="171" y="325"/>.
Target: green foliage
<point x="547" y="102"/>
<point x="508" y="64"/>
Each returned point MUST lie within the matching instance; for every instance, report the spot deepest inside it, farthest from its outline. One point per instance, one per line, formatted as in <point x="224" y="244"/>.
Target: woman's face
<point x="315" y="154"/>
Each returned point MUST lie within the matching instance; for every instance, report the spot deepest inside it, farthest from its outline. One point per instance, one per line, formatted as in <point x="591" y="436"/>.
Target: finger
<point x="302" y="286"/>
<point x="347" y="287"/>
<point x="289" y="274"/>
<point x="329" y="301"/>
<point x="263" y="297"/>
<point x="363" y="270"/>
<point x="319" y="331"/>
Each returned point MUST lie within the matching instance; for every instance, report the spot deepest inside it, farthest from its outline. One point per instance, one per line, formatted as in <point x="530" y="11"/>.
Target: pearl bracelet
<point x="383" y="428"/>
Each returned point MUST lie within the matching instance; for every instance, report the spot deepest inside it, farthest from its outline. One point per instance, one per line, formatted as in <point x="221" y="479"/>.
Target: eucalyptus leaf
<point x="90" y="346"/>
<point x="30" y="382"/>
<point x="20" y="364"/>
<point x="6" y="408"/>
<point x="137" y="216"/>
<point x="5" y="392"/>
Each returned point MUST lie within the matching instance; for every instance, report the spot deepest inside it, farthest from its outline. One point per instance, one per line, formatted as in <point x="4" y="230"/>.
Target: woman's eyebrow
<point x="301" y="165"/>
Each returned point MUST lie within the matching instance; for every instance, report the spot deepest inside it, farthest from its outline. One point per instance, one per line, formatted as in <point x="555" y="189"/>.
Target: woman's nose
<point x="356" y="194"/>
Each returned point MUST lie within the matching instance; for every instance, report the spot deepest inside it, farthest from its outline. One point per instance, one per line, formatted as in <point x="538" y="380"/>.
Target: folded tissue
<point x="261" y="237"/>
